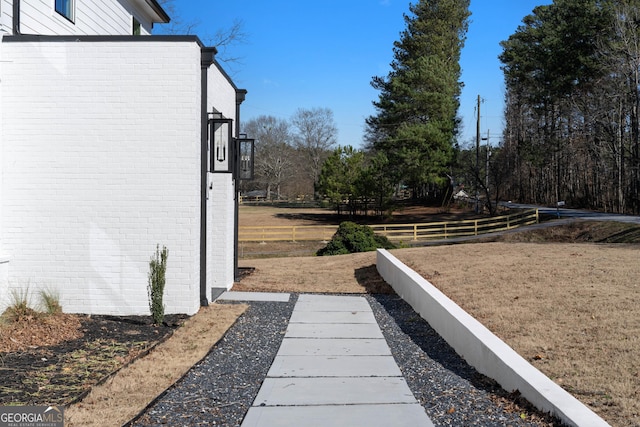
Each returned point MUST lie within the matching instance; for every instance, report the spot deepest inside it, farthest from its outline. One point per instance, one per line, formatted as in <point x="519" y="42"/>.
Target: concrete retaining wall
<point x="481" y="348"/>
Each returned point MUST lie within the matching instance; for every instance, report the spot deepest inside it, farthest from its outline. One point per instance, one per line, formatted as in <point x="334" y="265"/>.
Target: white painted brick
<point x="101" y="161"/>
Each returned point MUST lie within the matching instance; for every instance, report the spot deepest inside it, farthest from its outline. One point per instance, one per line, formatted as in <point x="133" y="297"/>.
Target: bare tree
<point x="315" y="136"/>
<point x="223" y="39"/>
<point x="177" y="25"/>
<point x="274" y="154"/>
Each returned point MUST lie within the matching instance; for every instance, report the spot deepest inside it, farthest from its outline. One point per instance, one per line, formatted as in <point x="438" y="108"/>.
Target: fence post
<point x="475" y="223"/>
<point x="293" y="234"/>
<point x="445" y="230"/>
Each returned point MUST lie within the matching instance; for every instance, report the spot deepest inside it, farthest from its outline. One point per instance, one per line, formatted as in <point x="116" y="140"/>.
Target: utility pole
<point x="486" y="170"/>
<point x="478" y="156"/>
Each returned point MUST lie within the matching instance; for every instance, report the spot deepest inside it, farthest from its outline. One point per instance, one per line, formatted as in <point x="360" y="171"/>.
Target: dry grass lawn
<point x="571" y="309"/>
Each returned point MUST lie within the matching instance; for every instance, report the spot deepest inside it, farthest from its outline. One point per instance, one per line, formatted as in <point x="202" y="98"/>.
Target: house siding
<point x="5" y="16"/>
<point x="92" y="17"/>
<point x="101" y="162"/>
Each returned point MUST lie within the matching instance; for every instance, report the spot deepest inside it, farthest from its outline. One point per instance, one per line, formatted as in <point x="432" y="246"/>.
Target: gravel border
<point x="222" y="387"/>
<point x="452" y="392"/>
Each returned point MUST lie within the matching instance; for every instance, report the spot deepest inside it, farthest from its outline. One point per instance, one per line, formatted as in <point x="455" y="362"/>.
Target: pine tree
<point x="416" y="121"/>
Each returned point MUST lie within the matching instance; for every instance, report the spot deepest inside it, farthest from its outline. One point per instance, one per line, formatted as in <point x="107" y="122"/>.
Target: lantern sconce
<point x="221" y="143"/>
<point x="246" y="151"/>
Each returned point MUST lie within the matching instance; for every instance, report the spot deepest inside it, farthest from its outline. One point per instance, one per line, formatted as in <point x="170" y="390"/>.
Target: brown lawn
<point x="571" y="309"/>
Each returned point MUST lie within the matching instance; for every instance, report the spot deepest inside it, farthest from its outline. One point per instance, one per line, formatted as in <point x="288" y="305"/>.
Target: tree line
<point x="572" y="101"/>
<point x="289" y="154"/>
<point x="572" y="96"/>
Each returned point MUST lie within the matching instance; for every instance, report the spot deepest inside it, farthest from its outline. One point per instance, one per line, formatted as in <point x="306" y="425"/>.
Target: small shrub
<point x="352" y="238"/>
<point x="50" y="301"/>
<point x="155" y="288"/>
<point x="20" y="309"/>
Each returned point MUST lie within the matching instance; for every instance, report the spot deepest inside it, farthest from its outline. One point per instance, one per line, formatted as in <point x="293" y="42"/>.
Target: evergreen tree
<point x="340" y="178"/>
<point x="559" y="84"/>
<point x="416" y="121"/>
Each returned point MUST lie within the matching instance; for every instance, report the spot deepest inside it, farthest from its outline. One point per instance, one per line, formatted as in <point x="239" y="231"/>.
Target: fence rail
<point x="396" y="232"/>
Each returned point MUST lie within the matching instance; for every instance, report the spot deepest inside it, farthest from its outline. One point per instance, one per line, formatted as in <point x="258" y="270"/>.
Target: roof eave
<point x="157" y="14"/>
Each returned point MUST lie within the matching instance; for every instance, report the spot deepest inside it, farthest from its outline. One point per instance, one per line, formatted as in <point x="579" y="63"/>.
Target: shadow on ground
<point x="369" y="278"/>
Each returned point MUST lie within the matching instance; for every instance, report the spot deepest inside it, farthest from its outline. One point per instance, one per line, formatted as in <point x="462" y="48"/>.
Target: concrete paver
<point x="334" y="368"/>
<point x="380" y="415"/>
<point x="333" y="391"/>
<point x="333" y="330"/>
<point x="327" y="303"/>
<point x="328" y="347"/>
<point x="332" y="317"/>
<point x="254" y="296"/>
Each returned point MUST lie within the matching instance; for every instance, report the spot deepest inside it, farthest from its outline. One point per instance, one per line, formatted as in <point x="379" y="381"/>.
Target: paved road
<point x="575" y="213"/>
<point x="565" y="216"/>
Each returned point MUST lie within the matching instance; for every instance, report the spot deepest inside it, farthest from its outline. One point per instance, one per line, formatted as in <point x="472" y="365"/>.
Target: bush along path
<point x="353" y="238"/>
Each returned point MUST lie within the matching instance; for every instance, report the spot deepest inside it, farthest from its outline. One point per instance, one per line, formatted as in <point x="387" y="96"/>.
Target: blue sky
<point x="307" y="54"/>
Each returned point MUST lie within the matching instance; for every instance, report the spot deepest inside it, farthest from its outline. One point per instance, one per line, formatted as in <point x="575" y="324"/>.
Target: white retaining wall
<point x="480" y="347"/>
<point x="101" y="162"/>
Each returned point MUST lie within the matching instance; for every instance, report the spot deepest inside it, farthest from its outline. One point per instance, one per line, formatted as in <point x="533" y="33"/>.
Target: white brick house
<point x="104" y="155"/>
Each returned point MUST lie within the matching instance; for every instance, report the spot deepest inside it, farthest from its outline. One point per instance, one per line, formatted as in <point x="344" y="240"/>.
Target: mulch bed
<point x="63" y="373"/>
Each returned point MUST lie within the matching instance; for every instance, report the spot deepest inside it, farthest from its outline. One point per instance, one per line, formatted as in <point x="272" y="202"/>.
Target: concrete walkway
<point x="334" y="368"/>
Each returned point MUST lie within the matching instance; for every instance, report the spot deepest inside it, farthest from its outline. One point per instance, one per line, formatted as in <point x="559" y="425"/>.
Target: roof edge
<point x="157" y="8"/>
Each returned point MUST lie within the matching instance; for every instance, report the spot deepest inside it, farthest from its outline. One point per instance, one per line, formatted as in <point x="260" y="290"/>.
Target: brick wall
<point x="101" y="162"/>
<point x="220" y="223"/>
<point x="221" y="96"/>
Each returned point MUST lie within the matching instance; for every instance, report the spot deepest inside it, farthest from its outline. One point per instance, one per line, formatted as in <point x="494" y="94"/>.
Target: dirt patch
<point x="344" y="274"/>
<point x="56" y="359"/>
<point x="38" y="330"/>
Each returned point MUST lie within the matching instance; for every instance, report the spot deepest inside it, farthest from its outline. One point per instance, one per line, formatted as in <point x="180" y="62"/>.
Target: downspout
<point x="240" y="96"/>
<point x="206" y="59"/>
<point x="16" y="17"/>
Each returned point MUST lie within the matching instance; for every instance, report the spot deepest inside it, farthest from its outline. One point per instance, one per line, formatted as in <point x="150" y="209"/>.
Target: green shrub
<point x="352" y="238"/>
<point x="155" y="288"/>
